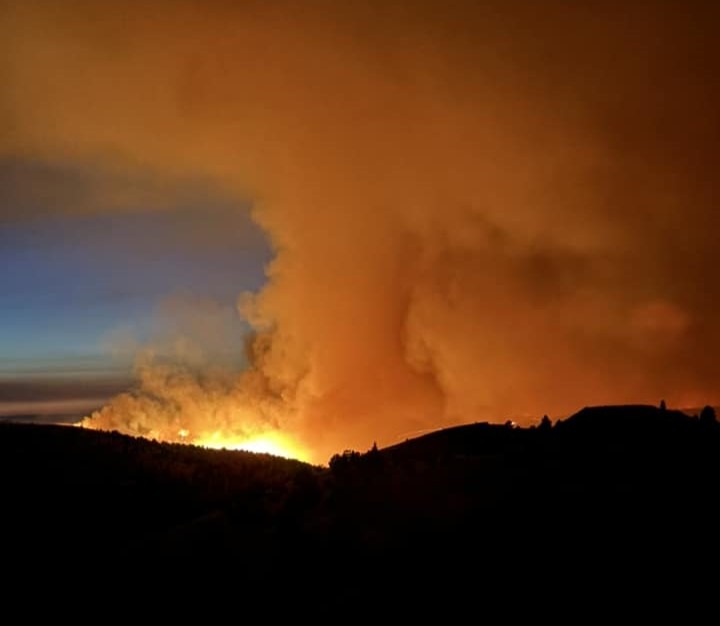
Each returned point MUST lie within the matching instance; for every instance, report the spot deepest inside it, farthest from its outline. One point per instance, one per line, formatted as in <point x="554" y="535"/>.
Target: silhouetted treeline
<point x="92" y="487"/>
<point x="630" y="490"/>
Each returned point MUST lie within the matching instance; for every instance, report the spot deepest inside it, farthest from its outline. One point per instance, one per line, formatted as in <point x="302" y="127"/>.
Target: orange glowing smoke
<point x="472" y="210"/>
<point x="176" y="404"/>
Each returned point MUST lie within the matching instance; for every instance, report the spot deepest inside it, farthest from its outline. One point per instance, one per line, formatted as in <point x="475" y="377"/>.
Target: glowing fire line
<point x="268" y="442"/>
<point x="274" y="443"/>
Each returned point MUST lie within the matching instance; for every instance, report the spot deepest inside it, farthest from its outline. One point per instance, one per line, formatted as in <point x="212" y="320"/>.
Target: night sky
<point x="347" y="222"/>
<point x="80" y="293"/>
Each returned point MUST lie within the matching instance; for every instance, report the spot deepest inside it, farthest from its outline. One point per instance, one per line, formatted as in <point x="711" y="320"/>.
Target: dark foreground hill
<point x="628" y="491"/>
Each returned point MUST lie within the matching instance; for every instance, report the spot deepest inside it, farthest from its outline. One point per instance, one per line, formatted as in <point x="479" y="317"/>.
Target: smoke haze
<point x="477" y="210"/>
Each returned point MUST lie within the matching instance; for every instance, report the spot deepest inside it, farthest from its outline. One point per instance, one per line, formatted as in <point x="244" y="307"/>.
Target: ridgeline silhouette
<point x="635" y="485"/>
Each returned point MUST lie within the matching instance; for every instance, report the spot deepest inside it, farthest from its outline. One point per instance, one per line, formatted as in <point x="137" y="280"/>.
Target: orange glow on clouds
<point x="472" y="211"/>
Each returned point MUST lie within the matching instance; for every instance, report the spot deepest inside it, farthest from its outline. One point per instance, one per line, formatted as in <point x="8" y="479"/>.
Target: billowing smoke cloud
<point x="478" y="209"/>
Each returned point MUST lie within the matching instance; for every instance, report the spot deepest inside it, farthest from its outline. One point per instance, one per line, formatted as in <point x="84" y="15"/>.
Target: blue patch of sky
<point x="66" y="282"/>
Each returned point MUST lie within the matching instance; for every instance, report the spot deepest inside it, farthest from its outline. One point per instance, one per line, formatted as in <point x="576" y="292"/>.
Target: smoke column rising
<point x="476" y="211"/>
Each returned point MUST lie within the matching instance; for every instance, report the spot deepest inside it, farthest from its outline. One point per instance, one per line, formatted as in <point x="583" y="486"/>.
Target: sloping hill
<point x="67" y="489"/>
<point x="625" y="490"/>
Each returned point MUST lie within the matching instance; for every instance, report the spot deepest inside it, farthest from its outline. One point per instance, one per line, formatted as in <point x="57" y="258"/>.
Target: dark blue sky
<point x="73" y="280"/>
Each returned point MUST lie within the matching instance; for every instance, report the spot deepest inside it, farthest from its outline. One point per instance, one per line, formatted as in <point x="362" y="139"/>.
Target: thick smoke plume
<point x="479" y="210"/>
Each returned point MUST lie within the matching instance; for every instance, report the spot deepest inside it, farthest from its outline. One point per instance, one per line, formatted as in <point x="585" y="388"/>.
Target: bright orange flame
<point x="274" y="443"/>
<point x="269" y="442"/>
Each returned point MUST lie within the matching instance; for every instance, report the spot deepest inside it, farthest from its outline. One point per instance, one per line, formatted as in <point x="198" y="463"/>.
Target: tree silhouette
<point x="707" y="415"/>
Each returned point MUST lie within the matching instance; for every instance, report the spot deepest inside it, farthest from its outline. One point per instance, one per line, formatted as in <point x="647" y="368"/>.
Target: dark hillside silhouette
<point x="627" y="490"/>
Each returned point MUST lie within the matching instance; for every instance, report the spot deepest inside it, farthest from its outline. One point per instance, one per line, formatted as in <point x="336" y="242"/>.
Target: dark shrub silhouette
<point x="707" y="415"/>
